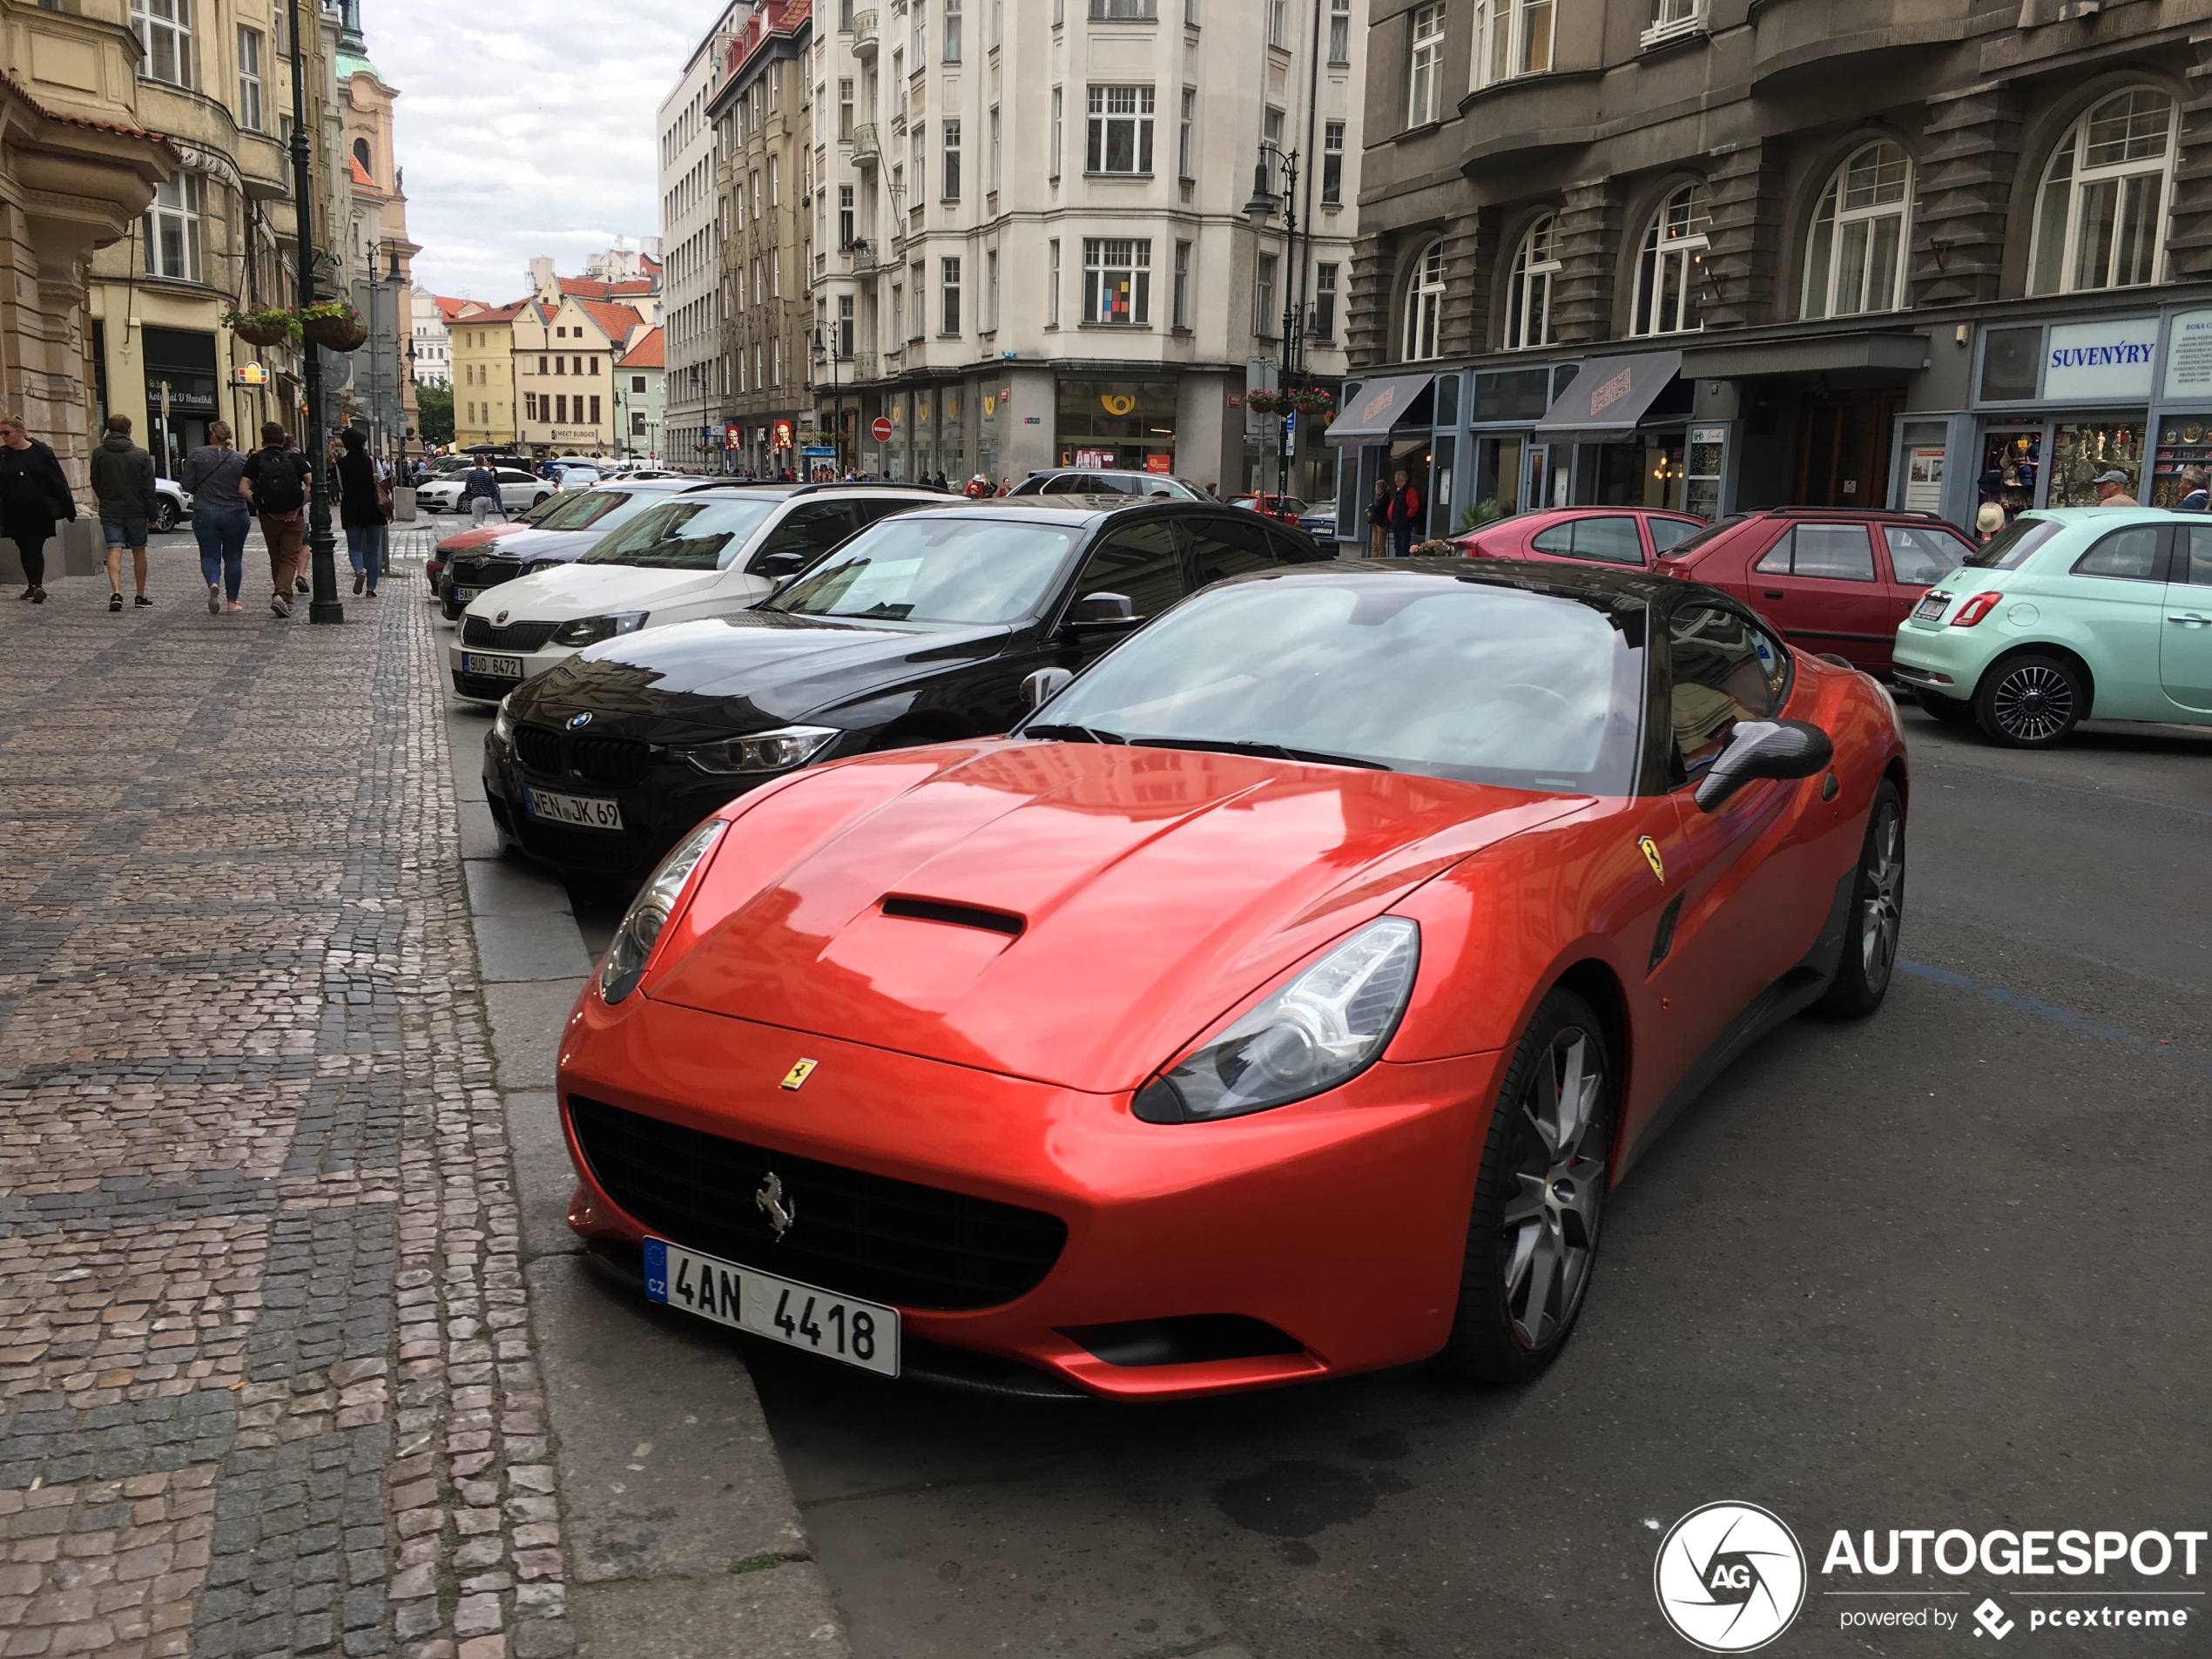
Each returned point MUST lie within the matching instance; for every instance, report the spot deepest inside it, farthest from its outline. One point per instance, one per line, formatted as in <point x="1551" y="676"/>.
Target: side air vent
<point x="957" y="915"/>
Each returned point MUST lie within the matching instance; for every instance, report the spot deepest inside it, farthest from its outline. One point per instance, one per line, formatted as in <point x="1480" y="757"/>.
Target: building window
<point x="951" y="150"/>
<point x="1186" y="145"/>
<point x="1052" y="283"/>
<point x="249" y="79"/>
<point x="991" y="290"/>
<point x="172" y="228"/>
<point x="1340" y="31"/>
<point x="164" y="36"/>
<point x="1671" y="267"/>
<point x="1264" y="318"/>
<point x="949" y="321"/>
<point x="1121" y="130"/>
<point x="1117" y="281"/>
<point x="1424" y="71"/>
<point x="637" y="383"/>
<point x="1325" y="302"/>
<point x="845" y="217"/>
<point x="994" y="156"/>
<point x="1278" y="24"/>
<point x="1124" y="10"/>
<point x="1511" y="37"/>
<point x="844" y="328"/>
<point x="845" y="110"/>
<point x="1055" y="161"/>
<point x="1855" y="257"/>
<point x="1332" y="163"/>
<point x="2101" y="221"/>
<point x="1182" y="284"/>
<point x="775" y="181"/>
<point x="952" y="32"/>
<point x="1528" y="299"/>
<point x="1672" y="17"/>
<point x="1424" y="306"/>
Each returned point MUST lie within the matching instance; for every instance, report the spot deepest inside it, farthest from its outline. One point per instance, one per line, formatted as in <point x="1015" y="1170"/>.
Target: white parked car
<point x="708" y="552"/>
<point x="173" y="506"/>
<point x="517" y="491"/>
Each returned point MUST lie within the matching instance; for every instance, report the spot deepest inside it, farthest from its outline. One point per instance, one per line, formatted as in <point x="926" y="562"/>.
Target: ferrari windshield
<point x="929" y="568"/>
<point x="691" y="533"/>
<point x="1454" y="678"/>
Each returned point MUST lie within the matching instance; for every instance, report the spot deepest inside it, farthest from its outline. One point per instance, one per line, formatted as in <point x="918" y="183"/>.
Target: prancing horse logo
<point x="782" y="1215"/>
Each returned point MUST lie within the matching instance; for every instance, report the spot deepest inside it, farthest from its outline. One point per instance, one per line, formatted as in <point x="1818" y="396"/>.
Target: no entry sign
<point x="881" y="429"/>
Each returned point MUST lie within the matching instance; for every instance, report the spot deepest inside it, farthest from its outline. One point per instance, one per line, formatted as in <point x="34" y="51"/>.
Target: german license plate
<point x="585" y="812"/>
<point x="494" y="668"/>
<point x="1931" y="605"/>
<point x="782" y="1310"/>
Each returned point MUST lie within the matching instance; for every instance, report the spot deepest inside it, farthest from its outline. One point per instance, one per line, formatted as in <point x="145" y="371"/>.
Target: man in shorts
<point x="122" y="476"/>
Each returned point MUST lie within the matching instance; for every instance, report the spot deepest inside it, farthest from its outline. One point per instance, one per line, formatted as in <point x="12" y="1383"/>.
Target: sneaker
<point x="38" y="595"/>
<point x="27" y="592"/>
<point x="215" y="599"/>
<point x="372" y="593"/>
<point x="360" y="577"/>
<point x="231" y="607"/>
<point x="115" y="602"/>
<point x="281" y="605"/>
<point x="143" y="600"/>
<point x="300" y="585"/>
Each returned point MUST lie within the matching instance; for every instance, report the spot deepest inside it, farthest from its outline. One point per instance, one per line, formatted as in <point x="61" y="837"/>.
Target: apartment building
<point x="484" y="404"/>
<point x="565" y="369"/>
<point x="1729" y="253"/>
<point x="695" y="378"/>
<point x="432" y="361"/>
<point x="1029" y="232"/>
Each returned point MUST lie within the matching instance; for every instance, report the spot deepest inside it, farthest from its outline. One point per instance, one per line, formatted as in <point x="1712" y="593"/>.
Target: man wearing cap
<point x="2112" y="488"/>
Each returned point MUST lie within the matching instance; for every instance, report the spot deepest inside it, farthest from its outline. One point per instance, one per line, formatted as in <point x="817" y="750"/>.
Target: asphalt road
<point x="1947" y="1267"/>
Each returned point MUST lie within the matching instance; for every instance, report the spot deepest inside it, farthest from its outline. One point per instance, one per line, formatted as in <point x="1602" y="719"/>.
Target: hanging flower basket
<point x="261" y="327"/>
<point x="1312" y="401"/>
<point x="1264" y="403"/>
<point x="335" y="327"/>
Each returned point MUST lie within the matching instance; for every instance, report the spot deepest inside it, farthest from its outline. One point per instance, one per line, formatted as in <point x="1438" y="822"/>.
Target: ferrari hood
<point x="1070" y="912"/>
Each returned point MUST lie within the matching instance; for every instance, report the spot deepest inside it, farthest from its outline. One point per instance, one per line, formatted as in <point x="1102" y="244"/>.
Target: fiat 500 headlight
<point x="649" y="913"/>
<point x="1323" y="1027"/>
<point x="586" y="630"/>
<point x="778" y="750"/>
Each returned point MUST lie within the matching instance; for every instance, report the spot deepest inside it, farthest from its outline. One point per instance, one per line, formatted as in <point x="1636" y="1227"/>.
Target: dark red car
<point x="1284" y="509"/>
<point x="1628" y="536"/>
<point x="1834" y="581"/>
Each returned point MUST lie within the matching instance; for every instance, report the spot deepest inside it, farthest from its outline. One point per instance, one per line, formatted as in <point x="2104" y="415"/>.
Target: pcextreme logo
<point x="1729" y="1577"/>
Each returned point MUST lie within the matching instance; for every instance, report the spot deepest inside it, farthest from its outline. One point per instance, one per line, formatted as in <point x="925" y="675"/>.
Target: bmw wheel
<point x="1531" y="1238"/>
<point x="2030" y="701"/>
<point x="1877" y="911"/>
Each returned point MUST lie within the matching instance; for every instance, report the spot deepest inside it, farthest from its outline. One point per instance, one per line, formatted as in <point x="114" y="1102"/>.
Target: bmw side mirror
<point x="1098" y="611"/>
<point x="1765" y="749"/>
<point x="776" y="566"/>
<point x="1042" y="686"/>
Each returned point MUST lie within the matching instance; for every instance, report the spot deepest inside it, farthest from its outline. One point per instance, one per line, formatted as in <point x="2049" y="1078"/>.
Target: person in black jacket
<point x="360" y="509"/>
<point x="1379" y="521"/>
<point x="34" y="493"/>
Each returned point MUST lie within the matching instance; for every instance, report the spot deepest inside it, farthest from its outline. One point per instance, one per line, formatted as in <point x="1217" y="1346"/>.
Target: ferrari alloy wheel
<point x="1877" y="912"/>
<point x="1532" y="1238"/>
<point x="2029" y="702"/>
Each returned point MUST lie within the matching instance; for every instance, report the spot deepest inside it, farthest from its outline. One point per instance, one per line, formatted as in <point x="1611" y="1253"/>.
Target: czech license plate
<point x="495" y="668"/>
<point x="585" y="812"/>
<point x="1931" y="605"/>
<point x="838" y="1327"/>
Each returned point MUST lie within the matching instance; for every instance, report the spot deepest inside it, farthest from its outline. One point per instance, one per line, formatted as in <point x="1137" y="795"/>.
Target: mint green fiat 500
<point x="2072" y="612"/>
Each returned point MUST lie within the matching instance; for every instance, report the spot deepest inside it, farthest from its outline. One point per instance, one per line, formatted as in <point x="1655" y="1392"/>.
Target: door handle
<point x="2188" y="619"/>
<point x="1776" y="593"/>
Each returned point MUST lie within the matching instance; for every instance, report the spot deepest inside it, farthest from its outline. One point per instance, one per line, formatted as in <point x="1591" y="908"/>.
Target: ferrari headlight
<point x="649" y="913"/>
<point x="586" y="630"/>
<point x="778" y="750"/>
<point x="502" y="724"/>
<point x="1323" y="1029"/>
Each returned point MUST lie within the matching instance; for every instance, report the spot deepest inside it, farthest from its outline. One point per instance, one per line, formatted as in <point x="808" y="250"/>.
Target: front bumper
<point x="1340" y="1222"/>
<point x="490" y="688"/>
<point x="660" y="800"/>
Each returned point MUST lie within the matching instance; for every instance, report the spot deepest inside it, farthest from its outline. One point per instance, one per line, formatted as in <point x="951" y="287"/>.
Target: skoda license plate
<point x="799" y="1315"/>
<point x="495" y="668"/>
<point x="1930" y="606"/>
<point x="585" y="812"/>
<point x="462" y="596"/>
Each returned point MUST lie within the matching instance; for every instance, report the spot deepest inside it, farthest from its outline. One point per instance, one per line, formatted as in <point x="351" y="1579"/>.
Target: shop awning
<point x="1608" y="398"/>
<point x="1378" y="406"/>
<point x="1877" y="348"/>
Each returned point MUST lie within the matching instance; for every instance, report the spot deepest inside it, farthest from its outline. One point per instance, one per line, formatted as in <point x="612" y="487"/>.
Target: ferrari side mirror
<point x="1042" y="686"/>
<point x="1765" y="749"/>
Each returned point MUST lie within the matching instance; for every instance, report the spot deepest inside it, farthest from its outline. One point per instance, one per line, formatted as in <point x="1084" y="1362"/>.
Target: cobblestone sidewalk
<point x="266" y="1384"/>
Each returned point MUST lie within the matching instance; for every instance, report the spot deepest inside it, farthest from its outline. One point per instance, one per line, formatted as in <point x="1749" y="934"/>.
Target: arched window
<point x="1855" y="260"/>
<point x="1529" y="303"/>
<point x="2101" y="219"/>
<point x="360" y="154"/>
<point x="1672" y="264"/>
<point x="1425" y="305"/>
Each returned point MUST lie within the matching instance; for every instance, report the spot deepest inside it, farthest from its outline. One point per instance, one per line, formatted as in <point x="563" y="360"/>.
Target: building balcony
<point x="866" y="150"/>
<point x="865" y="39"/>
<point x="1813" y="39"/>
<point x="865" y="366"/>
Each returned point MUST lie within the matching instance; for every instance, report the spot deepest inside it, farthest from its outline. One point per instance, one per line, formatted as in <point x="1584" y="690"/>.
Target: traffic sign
<point x="881" y="430"/>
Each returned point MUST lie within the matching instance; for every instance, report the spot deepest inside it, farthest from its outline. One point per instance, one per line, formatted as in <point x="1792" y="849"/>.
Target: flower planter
<point x="334" y="334"/>
<point x="262" y="334"/>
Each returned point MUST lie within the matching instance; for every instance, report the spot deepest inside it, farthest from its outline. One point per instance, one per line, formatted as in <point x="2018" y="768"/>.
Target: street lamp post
<point x="825" y="348"/>
<point x="1259" y="210"/>
<point x="323" y="606"/>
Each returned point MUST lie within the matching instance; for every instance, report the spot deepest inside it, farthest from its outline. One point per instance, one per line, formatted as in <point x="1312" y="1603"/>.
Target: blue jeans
<point x="365" y="547"/>
<point x="222" y="547"/>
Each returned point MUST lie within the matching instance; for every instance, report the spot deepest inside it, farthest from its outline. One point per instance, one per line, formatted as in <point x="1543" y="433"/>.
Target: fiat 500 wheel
<point x="1950" y="710"/>
<point x="2029" y="702"/>
<point x="1531" y="1238"/>
<point x="1877" y="911"/>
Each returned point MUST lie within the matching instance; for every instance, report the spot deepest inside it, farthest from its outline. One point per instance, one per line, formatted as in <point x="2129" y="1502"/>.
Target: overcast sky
<point x="527" y="129"/>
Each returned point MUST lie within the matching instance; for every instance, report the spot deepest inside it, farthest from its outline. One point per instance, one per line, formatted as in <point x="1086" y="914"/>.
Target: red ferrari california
<point x="1283" y="998"/>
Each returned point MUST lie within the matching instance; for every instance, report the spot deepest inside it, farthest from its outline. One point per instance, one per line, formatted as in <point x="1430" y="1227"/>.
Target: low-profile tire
<point x="1951" y="711"/>
<point x="1876" y="911"/>
<point x="164" y="516"/>
<point x="2031" y="701"/>
<point x="1539" y="1199"/>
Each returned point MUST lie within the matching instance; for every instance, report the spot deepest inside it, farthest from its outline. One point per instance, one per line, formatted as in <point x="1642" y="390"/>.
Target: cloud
<point x="527" y="129"/>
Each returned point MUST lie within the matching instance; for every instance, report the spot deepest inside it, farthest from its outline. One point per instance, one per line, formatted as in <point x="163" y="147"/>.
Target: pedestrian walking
<point x="1378" y="522"/>
<point x="274" y="483"/>
<point x="1405" y="514"/>
<point x="481" y="490"/>
<point x="34" y="493"/>
<point x="221" y="517"/>
<point x="2112" y="488"/>
<point x="364" y="508"/>
<point x="1989" y="522"/>
<point x="2194" y="497"/>
<point x="123" y="485"/>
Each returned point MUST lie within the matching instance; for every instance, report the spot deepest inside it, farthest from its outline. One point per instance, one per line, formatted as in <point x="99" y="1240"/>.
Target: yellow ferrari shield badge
<point x="800" y="1073"/>
<point x="1650" y="856"/>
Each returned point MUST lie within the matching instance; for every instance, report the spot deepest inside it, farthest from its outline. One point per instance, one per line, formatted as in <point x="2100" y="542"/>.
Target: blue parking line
<point x="2067" y="1017"/>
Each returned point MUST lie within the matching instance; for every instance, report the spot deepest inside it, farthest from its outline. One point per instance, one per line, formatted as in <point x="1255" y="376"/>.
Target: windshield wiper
<point x="1077" y="733"/>
<point x="1271" y="750"/>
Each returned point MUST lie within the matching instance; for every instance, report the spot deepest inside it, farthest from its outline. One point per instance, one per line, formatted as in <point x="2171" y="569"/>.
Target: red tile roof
<point x="594" y="288"/>
<point x="448" y="308"/>
<point x="617" y="321"/>
<point x="650" y="351"/>
<point x="360" y="173"/>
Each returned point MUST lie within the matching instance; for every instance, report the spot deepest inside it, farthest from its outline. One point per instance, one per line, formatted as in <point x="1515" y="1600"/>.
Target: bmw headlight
<point x="502" y="724"/>
<point x="586" y="630"/>
<point x="1323" y="1029"/>
<point x="649" y="913"/>
<point x="778" y="750"/>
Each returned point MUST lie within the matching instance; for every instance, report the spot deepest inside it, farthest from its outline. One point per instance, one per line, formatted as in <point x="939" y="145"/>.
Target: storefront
<point x="1624" y="425"/>
<point x="182" y="395"/>
<point x="1117" y="424"/>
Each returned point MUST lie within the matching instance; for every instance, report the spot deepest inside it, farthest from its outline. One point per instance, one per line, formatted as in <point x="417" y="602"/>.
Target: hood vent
<point x="957" y="915"/>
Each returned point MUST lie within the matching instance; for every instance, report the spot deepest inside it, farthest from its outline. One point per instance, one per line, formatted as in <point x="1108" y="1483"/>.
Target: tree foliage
<point x="434" y="406"/>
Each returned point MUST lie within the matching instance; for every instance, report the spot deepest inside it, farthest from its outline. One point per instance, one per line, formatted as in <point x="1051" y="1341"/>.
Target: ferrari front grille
<point x="862" y="1235"/>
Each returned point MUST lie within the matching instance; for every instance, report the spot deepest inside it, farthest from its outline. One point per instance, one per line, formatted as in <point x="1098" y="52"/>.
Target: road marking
<point x="2066" y="1017"/>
